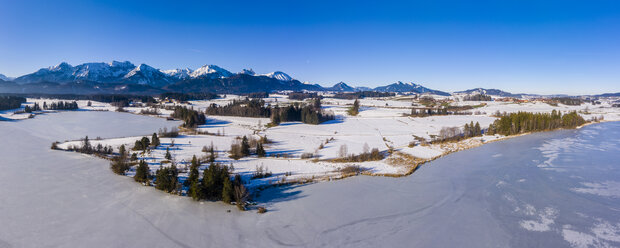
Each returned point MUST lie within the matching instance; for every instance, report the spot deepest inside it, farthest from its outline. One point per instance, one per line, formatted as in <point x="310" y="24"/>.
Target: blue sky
<point x="520" y="46"/>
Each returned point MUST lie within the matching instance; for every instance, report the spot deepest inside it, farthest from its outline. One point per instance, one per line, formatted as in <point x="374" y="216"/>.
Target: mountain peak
<point x="279" y="76"/>
<point x="248" y="72"/>
<point x="63" y="66"/>
<point x="342" y="86"/>
<point x="210" y="71"/>
<point x="178" y="73"/>
<point x="125" y="64"/>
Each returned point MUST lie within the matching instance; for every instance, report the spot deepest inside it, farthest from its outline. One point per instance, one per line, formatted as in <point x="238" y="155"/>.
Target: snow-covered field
<point x="382" y="123"/>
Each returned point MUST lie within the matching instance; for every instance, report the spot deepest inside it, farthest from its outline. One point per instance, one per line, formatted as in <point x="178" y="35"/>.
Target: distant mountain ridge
<point x="491" y="92"/>
<point x="125" y="77"/>
<point x="401" y="87"/>
<point x="5" y="78"/>
<point x="341" y="87"/>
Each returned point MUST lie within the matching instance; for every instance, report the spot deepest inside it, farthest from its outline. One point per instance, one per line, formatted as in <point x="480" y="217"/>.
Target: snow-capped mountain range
<point x="98" y="77"/>
<point x="126" y="72"/>
<point x="490" y="92"/>
<point x="409" y="87"/>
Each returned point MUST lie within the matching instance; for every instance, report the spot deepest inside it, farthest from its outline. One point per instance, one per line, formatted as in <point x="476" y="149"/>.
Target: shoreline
<point x="416" y="166"/>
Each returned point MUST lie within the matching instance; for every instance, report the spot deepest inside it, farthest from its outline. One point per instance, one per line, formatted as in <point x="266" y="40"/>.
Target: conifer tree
<point x="354" y="110"/>
<point x="168" y="156"/>
<point x="155" y="140"/>
<point x="142" y="172"/>
<point x="477" y="129"/>
<point x="245" y="146"/>
<point x="227" y="191"/>
<point x="260" y="151"/>
<point x="192" y="180"/>
<point x="122" y="152"/>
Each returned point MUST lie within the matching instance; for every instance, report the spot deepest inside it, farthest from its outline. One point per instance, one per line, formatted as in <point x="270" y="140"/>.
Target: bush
<point x="262" y="210"/>
<point x="355" y="109"/>
<point x="351" y="169"/>
<point x="174" y="132"/>
<point x="261" y="172"/>
<point x="307" y="155"/>
<point x="373" y="155"/>
<point x="150" y="111"/>
<point x="119" y="165"/>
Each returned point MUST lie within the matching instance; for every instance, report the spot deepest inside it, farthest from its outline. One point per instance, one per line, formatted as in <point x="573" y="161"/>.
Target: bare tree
<point x="241" y="196"/>
<point x="343" y="151"/>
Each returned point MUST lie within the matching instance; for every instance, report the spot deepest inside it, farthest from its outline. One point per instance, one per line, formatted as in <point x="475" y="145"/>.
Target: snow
<point x="67" y="199"/>
<point x="382" y="123"/>
<point x="178" y="73"/>
<point x="279" y="76"/>
<point x="211" y="71"/>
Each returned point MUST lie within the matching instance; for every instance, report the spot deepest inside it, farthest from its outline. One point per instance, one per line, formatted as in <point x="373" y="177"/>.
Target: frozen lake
<point x="556" y="189"/>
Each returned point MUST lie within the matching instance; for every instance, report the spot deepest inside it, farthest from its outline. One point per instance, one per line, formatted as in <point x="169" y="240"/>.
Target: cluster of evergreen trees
<point x="472" y="130"/>
<point x="478" y="97"/>
<point x="109" y="98"/>
<point x="61" y="105"/>
<point x="309" y="114"/>
<point x="11" y="102"/>
<point x="183" y="97"/>
<point x="258" y="95"/>
<point x="88" y="148"/>
<point x="243" y="108"/>
<point x="35" y="107"/>
<point x="145" y="143"/>
<point x="241" y="148"/>
<point x="568" y="100"/>
<point x="522" y="122"/>
<point x="216" y="184"/>
<point x="191" y="118"/>
<point x="362" y="94"/>
<point x="119" y="164"/>
<point x="167" y="179"/>
<point x="302" y="95"/>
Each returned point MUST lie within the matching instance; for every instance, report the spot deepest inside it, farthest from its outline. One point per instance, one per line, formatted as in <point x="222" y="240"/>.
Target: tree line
<point x="11" y="102"/>
<point x="243" y="108"/>
<point x="362" y="94"/>
<point x="307" y="113"/>
<point x="568" y="100"/>
<point x="242" y="147"/>
<point x="522" y="122"/>
<point x="190" y="117"/>
<point x="258" y="95"/>
<point x="302" y="95"/>
<point x="469" y="130"/>
<point x="184" y="97"/>
<point x="477" y="97"/>
<point x="61" y="105"/>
